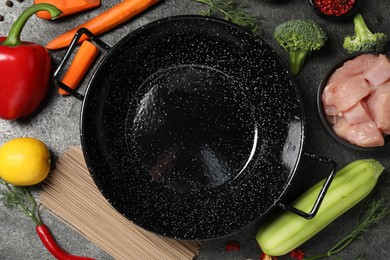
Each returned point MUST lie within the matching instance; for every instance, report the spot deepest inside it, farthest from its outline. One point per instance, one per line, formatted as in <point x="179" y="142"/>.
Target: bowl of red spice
<point x="335" y="9"/>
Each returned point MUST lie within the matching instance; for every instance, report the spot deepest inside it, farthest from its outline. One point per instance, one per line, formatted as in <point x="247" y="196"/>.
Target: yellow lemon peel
<point x="24" y="161"/>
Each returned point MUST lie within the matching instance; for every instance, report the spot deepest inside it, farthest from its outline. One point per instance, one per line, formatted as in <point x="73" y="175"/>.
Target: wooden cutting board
<point x="71" y="195"/>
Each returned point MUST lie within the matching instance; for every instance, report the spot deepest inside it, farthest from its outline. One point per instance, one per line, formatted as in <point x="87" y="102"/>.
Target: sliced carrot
<point x="67" y="6"/>
<point x="83" y="59"/>
<point x="104" y="22"/>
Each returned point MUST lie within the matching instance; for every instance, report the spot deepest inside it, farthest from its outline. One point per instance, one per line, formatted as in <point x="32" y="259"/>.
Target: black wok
<point x="192" y="127"/>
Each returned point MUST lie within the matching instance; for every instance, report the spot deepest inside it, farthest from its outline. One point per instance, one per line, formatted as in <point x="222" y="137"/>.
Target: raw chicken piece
<point x="331" y="111"/>
<point x="364" y="135"/>
<point x="341" y="128"/>
<point x="327" y="98"/>
<point x="357" y="114"/>
<point x="339" y="77"/>
<point x="379" y="106"/>
<point x="327" y="95"/>
<point x="379" y="71"/>
<point x="359" y="64"/>
<point x="348" y="94"/>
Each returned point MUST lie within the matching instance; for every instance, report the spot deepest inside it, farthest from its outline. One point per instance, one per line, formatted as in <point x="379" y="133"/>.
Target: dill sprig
<point x="373" y="211"/>
<point x="232" y="10"/>
<point x="19" y="196"/>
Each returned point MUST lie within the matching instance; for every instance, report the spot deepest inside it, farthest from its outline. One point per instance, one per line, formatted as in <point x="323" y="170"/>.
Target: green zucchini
<point x="280" y="234"/>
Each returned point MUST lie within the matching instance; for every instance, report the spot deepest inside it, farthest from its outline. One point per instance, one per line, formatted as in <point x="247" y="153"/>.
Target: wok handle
<point x="322" y="193"/>
<point x="68" y="54"/>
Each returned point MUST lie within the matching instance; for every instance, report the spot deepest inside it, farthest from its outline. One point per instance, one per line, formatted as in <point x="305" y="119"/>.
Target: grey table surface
<point x="57" y="124"/>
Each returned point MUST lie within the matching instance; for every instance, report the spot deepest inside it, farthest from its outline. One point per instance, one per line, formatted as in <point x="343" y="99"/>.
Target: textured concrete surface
<point x="57" y="124"/>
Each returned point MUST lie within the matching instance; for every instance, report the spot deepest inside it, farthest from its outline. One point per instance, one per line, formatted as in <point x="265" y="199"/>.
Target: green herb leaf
<point x="19" y="196"/>
<point x="374" y="209"/>
<point x="232" y="10"/>
<point x="8" y="198"/>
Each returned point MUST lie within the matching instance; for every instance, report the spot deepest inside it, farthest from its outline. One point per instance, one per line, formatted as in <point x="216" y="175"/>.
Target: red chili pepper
<point x="25" y="200"/>
<point x="232" y="246"/>
<point x="24" y="67"/>
<point x="51" y="245"/>
<point x="297" y="254"/>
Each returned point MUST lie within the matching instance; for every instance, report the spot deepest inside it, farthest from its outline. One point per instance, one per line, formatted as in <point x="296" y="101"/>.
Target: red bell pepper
<point x="24" y="69"/>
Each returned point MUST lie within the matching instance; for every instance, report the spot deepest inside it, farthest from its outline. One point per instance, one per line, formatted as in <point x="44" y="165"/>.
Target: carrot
<point x="67" y="6"/>
<point x="83" y="59"/>
<point x="104" y="22"/>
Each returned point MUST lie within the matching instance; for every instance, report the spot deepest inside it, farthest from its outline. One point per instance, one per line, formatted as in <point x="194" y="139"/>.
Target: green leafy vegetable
<point x="299" y="37"/>
<point x="363" y="39"/>
<point x="20" y="196"/>
<point x="232" y="10"/>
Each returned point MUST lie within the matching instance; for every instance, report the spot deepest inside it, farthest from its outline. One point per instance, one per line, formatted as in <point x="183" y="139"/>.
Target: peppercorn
<point x="232" y="246"/>
<point x="1" y="18"/>
<point x="264" y="256"/>
<point x="334" y="7"/>
<point x="297" y="254"/>
<point x="9" y="3"/>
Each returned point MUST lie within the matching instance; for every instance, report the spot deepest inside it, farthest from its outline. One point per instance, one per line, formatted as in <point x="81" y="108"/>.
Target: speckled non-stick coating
<point x="192" y="127"/>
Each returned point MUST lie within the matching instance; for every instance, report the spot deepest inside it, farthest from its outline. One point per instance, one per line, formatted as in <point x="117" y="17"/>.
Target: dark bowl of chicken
<point x="353" y="101"/>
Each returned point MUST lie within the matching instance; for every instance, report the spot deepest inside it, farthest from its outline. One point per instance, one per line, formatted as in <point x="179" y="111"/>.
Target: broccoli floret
<point x="299" y="38"/>
<point x="364" y="39"/>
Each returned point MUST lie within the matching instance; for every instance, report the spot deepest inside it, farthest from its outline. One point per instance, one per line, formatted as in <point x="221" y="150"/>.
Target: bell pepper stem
<point x="13" y="38"/>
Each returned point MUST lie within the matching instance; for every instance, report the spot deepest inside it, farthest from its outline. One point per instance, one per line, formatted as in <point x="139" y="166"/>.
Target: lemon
<point x="24" y="161"/>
